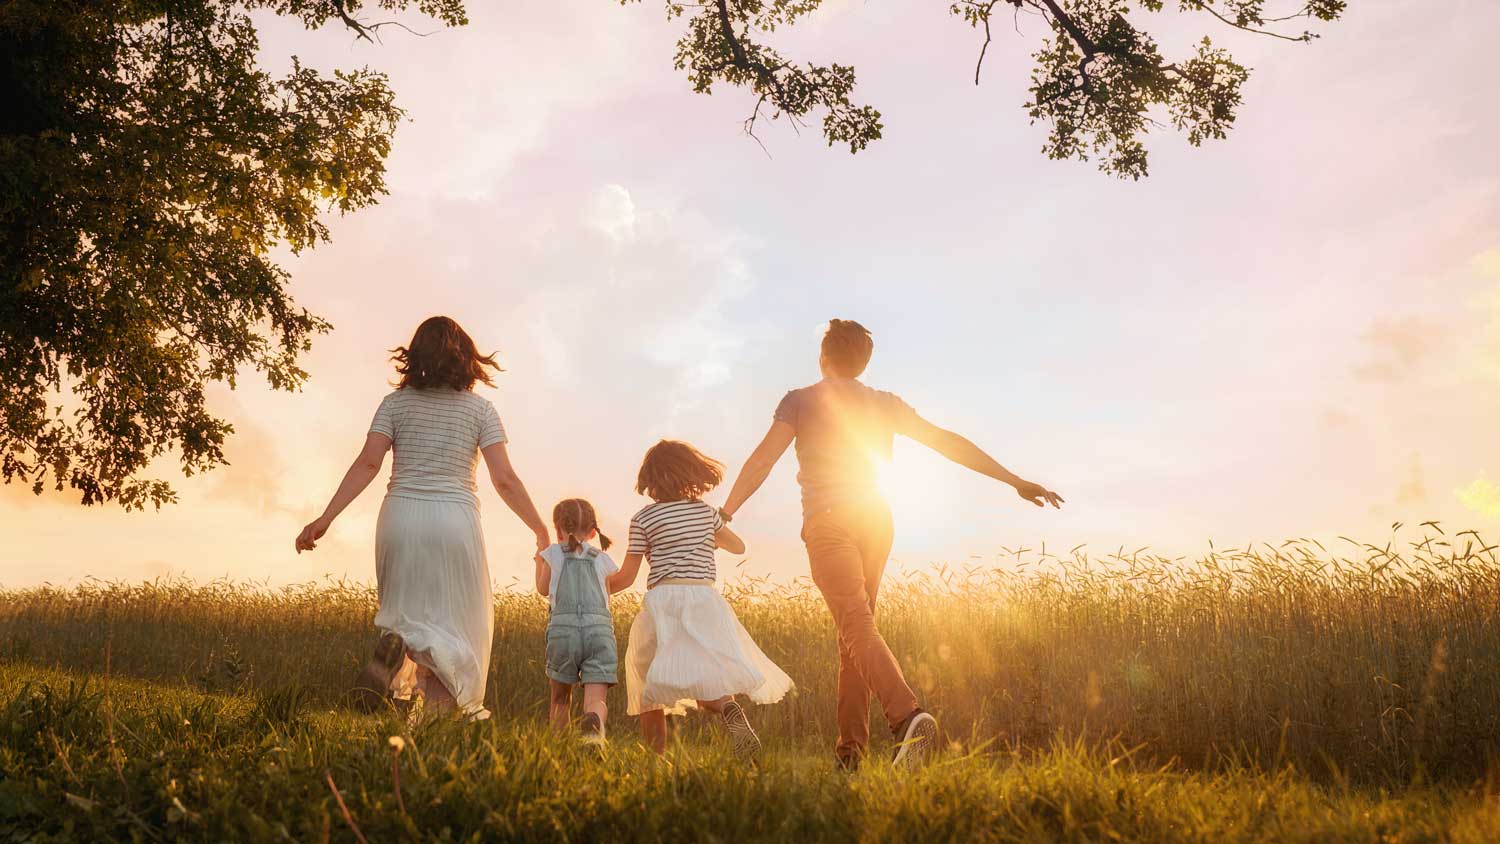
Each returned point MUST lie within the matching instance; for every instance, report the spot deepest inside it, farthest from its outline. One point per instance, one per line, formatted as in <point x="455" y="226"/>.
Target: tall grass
<point x="132" y="761"/>
<point x="1359" y="662"/>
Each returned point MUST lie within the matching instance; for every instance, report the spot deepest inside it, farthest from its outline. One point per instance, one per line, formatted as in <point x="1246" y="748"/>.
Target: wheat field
<point x="1352" y="686"/>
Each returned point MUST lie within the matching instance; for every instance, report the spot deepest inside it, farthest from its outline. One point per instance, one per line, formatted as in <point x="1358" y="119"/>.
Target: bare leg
<point x="715" y="706"/>
<point x="593" y="701"/>
<point x="654" y="730"/>
<point x="436" y="697"/>
<point x="562" y="703"/>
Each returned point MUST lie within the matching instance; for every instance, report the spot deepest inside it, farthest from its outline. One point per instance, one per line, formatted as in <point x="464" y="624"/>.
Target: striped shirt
<point x="436" y="435"/>
<point x="677" y="538"/>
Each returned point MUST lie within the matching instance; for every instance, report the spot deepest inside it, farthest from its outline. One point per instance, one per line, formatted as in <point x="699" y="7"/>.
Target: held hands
<point x="307" y="540"/>
<point x="542" y="541"/>
<point x="1038" y="494"/>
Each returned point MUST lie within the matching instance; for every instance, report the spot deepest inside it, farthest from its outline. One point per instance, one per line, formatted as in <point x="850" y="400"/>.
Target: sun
<point x="919" y="487"/>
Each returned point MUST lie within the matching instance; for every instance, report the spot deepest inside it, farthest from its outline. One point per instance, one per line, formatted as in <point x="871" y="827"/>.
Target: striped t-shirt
<point x="436" y="435"/>
<point x="677" y="538"/>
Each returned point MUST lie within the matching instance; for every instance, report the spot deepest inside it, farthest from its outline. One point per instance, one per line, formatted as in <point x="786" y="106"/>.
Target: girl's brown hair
<point x="675" y="471"/>
<point x="574" y="518"/>
<point x="442" y="354"/>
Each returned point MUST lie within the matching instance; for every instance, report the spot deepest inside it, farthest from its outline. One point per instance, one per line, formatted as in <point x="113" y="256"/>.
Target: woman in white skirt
<point x="436" y="613"/>
<point x="686" y="647"/>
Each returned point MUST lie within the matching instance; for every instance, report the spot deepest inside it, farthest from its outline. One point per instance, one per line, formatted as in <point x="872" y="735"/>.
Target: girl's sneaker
<point x="744" y="740"/>
<point x="916" y="740"/>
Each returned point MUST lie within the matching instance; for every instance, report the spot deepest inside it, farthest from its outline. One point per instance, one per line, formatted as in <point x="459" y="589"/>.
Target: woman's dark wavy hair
<point x="442" y="354"/>
<point x="675" y="471"/>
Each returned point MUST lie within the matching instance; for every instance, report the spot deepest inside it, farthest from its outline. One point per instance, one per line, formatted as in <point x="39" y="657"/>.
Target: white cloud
<point x="665" y="275"/>
<point x="1399" y="347"/>
<point x="613" y="213"/>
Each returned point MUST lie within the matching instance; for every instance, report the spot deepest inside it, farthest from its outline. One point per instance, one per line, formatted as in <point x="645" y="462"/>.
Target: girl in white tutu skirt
<point x="686" y="647"/>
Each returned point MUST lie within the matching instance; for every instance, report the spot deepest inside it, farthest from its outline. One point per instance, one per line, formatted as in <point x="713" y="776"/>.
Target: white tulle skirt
<point x="687" y="645"/>
<point x="434" y="586"/>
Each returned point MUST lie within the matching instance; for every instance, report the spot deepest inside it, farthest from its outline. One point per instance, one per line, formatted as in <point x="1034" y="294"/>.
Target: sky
<point x="1294" y="332"/>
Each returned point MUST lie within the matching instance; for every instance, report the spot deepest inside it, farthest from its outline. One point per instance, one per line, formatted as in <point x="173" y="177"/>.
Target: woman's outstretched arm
<point x="760" y="463"/>
<point x="513" y="492"/>
<point x="363" y="470"/>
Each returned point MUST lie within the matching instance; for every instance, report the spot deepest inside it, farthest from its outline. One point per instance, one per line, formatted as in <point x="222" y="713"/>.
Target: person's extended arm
<point x="758" y="465"/>
<point x="363" y="470"/>
<point x="729" y="540"/>
<point x="965" y="453"/>
<point x="625" y="577"/>
<point x="513" y="492"/>
<point x="543" y="576"/>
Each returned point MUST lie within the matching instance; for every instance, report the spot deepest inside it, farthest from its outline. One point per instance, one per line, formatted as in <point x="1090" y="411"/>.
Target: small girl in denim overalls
<point x="580" y="634"/>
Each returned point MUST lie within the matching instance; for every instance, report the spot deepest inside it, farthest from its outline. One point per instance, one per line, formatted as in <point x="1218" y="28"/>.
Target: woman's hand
<point x="543" y="541"/>
<point x="308" y="538"/>
<point x="363" y="470"/>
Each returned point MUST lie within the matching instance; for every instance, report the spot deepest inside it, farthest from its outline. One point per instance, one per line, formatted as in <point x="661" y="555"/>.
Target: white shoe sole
<point x="918" y="744"/>
<point x="741" y="736"/>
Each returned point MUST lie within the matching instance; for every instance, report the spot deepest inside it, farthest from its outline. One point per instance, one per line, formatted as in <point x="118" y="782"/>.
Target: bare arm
<point x="363" y="470"/>
<point x="965" y="453"/>
<point x="543" y="576"/>
<point x="760" y="463"/>
<point x="513" y="492"/>
<point x="625" y="577"/>
<point x="729" y="540"/>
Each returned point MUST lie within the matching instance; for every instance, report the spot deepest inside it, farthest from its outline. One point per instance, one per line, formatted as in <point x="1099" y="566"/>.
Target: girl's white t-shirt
<point x="604" y="566"/>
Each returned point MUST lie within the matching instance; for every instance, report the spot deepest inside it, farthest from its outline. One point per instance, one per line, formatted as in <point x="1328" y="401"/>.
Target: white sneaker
<point x="746" y="743"/>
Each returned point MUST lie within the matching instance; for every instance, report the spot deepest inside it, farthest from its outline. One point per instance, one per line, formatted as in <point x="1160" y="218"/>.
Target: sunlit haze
<point x="1292" y="332"/>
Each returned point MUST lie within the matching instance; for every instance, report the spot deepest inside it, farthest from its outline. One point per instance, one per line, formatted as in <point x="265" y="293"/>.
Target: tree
<point x="1097" y="78"/>
<point x="148" y="166"/>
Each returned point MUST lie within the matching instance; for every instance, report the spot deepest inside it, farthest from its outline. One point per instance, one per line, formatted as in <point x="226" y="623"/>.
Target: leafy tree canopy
<point x="148" y="166"/>
<point x="1098" y="79"/>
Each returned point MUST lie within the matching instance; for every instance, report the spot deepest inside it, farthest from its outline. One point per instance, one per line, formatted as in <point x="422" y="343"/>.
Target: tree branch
<point x="1063" y="19"/>
<point x="360" y="30"/>
<point x="1301" y="39"/>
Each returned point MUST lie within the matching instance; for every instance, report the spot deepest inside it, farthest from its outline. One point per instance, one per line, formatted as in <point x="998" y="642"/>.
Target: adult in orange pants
<point x="841" y="427"/>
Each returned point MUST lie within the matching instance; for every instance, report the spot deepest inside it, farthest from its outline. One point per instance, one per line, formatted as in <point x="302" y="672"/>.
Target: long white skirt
<point x="687" y="645"/>
<point x="434" y="586"/>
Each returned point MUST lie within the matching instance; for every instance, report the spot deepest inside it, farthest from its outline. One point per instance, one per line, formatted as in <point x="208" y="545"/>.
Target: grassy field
<point x="1277" y="694"/>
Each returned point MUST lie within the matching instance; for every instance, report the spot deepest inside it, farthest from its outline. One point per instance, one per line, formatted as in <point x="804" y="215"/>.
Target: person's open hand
<point x="1039" y="495"/>
<point x="308" y="538"/>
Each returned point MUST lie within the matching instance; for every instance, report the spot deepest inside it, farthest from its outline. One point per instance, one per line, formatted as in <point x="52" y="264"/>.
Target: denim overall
<point x="580" y="634"/>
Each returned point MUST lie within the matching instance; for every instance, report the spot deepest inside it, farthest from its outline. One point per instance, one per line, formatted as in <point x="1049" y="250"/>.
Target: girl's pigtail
<point x="604" y="542"/>
<point x="577" y="527"/>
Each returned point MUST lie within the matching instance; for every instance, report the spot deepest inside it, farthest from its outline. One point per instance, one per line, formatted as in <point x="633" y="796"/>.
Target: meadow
<point x="1280" y="693"/>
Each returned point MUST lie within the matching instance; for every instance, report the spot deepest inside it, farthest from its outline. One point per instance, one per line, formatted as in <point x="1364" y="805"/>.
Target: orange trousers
<point x="847" y="549"/>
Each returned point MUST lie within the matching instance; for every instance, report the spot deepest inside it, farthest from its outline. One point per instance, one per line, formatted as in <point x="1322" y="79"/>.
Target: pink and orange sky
<point x="1294" y="332"/>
